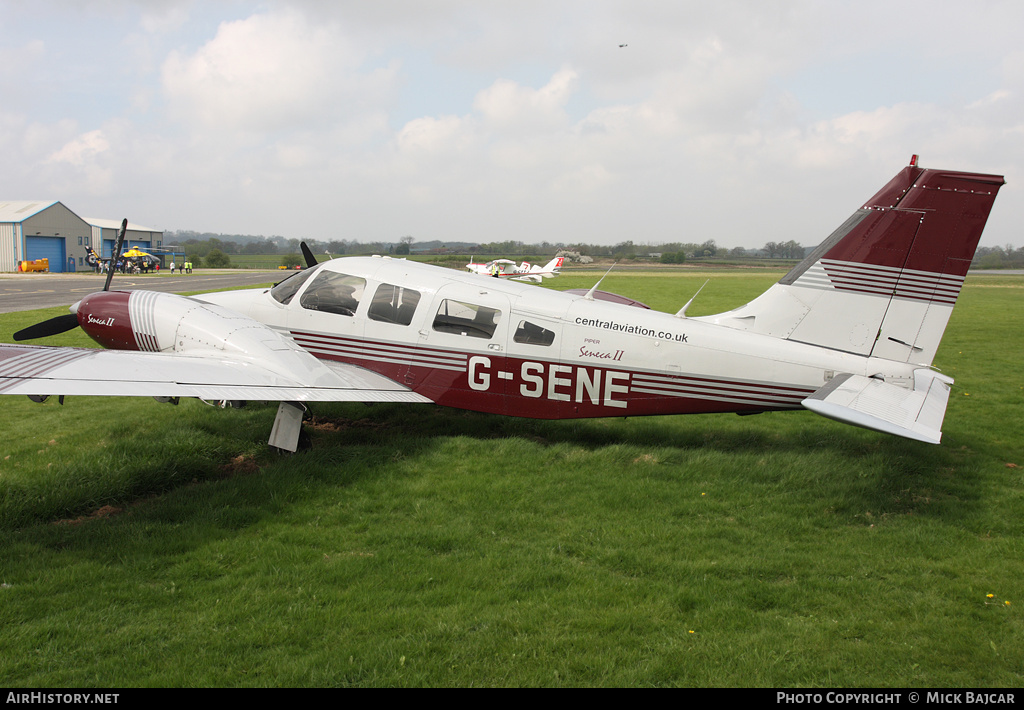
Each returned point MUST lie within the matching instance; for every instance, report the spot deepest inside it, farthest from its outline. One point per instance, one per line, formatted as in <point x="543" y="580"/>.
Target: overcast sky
<point x="477" y="120"/>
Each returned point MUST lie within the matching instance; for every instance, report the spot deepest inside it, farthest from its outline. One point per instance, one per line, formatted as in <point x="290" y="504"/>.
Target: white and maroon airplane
<point x="506" y="268"/>
<point x="850" y="333"/>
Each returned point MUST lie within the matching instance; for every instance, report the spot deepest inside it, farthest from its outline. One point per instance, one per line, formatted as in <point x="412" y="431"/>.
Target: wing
<point x="41" y="370"/>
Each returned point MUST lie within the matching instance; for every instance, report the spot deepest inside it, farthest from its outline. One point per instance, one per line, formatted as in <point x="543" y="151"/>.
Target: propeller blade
<point x="54" y="326"/>
<point x="117" y="254"/>
<point x="307" y="255"/>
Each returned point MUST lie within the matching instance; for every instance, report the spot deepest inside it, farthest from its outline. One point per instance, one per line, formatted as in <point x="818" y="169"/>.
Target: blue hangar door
<point x="51" y="248"/>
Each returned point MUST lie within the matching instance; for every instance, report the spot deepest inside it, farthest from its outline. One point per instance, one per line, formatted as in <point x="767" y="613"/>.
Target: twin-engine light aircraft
<point x="506" y="268"/>
<point x="850" y="333"/>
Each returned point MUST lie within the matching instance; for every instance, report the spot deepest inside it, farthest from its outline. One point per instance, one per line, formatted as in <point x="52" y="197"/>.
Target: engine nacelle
<point x="165" y="322"/>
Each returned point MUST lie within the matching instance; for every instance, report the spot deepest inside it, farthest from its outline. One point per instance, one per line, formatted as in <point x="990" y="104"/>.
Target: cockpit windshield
<point x="284" y="291"/>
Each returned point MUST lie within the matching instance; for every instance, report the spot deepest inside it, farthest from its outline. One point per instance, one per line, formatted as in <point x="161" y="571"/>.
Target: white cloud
<point x="990" y="100"/>
<point x="509" y="107"/>
<point x="165" y="17"/>
<point x="81" y="149"/>
<point x="434" y="136"/>
<point x="273" y="71"/>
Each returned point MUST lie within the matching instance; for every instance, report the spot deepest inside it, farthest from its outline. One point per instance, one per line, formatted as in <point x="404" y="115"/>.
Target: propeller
<point x="307" y="255"/>
<point x="117" y="253"/>
<point x="62" y="324"/>
<point x="54" y="326"/>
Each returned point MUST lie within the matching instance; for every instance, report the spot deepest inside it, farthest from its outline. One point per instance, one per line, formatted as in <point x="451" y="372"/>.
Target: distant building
<point x="32" y="230"/>
<point x="47" y="229"/>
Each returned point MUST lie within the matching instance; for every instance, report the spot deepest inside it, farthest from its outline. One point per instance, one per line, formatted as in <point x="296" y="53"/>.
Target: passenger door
<point x="464" y="337"/>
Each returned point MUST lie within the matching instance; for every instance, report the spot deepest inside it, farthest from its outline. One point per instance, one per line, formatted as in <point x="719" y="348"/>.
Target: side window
<point x="332" y="292"/>
<point x="393" y="304"/>
<point x="533" y="334"/>
<point x="466" y="319"/>
<point x="285" y="290"/>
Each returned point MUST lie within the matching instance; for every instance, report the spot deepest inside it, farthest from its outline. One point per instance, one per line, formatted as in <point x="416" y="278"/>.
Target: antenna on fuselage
<point x="682" y="311"/>
<point x="590" y="293"/>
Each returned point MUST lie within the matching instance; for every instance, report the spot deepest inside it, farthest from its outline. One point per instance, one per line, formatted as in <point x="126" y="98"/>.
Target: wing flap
<point x="873" y="404"/>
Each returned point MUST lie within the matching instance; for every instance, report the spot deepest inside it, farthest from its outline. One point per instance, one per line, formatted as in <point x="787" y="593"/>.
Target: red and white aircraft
<point x="850" y="333"/>
<point x="506" y="268"/>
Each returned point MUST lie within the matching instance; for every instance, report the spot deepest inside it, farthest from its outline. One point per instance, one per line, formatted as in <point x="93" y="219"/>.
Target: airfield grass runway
<point x="149" y="545"/>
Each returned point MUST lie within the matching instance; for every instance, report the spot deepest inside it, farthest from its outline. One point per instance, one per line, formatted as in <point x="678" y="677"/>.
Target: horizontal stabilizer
<point x="873" y="404"/>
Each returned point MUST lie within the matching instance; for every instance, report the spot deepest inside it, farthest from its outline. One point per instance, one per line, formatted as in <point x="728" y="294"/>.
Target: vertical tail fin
<point x="885" y="282"/>
<point x="549" y="269"/>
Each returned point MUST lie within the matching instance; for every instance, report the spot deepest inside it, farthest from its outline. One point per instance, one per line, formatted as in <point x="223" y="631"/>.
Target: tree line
<point x="216" y="249"/>
<point x="1004" y="257"/>
<point x="201" y="245"/>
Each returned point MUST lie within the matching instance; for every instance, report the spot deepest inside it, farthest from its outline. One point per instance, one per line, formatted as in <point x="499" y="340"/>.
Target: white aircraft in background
<point x="849" y="333"/>
<point x="506" y="268"/>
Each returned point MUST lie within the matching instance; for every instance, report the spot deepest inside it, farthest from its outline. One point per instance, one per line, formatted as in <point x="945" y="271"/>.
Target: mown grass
<point x="148" y="545"/>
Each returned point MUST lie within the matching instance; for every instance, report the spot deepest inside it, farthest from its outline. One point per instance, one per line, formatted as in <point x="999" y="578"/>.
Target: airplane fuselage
<point x="488" y="345"/>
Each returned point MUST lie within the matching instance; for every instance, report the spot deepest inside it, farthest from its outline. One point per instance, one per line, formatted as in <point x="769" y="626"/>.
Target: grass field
<point x="149" y="545"/>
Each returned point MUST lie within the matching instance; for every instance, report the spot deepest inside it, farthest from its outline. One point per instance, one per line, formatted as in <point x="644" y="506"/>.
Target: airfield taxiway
<point x="23" y="292"/>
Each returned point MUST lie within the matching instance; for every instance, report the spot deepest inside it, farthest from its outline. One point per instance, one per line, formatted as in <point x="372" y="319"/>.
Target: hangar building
<point x="104" y="233"/>
<point x="31" y="230"/>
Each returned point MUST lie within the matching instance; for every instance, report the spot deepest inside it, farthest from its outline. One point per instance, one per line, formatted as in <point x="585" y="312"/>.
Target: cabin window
<point x="533" y="334"/>
<point x="466" y="319"/>
<point x="393" y="304"/>
<point x="284" y="290"/>
<point x="332" y="292"/>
